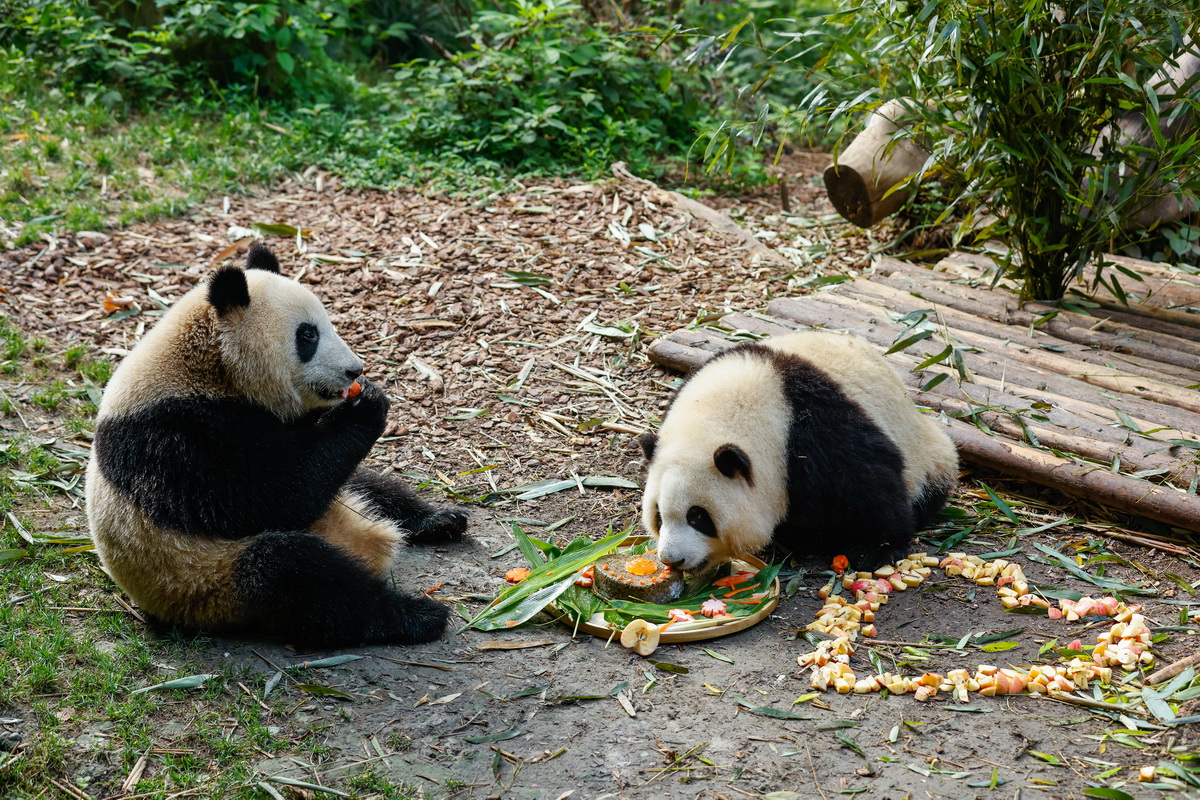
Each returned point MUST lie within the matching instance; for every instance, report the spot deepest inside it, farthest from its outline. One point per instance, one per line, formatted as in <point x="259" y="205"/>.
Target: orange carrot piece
<point x="516" y="574"/>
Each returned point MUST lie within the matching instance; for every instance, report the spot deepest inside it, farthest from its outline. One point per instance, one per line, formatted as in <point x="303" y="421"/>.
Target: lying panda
<point x="225" y="490"/>
<point x="806" y="441"/>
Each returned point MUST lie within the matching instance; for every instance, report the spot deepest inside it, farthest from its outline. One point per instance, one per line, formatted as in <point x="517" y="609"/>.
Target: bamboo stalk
<point x="1016" y="343"/>
<point x="956" y="267"/>
<point x="854" y="315"/>
<point x="1173" y="669"/>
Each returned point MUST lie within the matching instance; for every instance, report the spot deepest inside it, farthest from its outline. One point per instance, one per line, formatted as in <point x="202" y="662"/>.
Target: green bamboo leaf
<point x="1107" y="793"/>
<point x="1000" y="504"/>
<point x="324" y="691"/>
<point x="494" y="737"/>
<point x="190" y="682"/>
<point x="767" y="711"/>
<point x="531" y="551"/>
<point x="911" y="340"/>
<point x="667" y="666"/>
<point x="1104" y="583"/>
<point x="522" y="601"/>
<point x="12" y="555"/>
<point x="1053" y="761"/>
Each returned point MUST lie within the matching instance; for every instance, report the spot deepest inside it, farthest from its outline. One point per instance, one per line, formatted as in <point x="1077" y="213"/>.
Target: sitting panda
<point x="225" y="490"/>
<point x="807" y="441"/>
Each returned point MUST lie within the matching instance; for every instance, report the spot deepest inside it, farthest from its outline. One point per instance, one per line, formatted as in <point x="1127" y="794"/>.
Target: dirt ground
<point x="510" y="333"/>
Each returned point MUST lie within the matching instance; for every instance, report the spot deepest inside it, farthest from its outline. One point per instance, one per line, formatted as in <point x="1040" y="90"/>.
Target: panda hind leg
<point x="301" y="588"/>
<point x="397" y="501"/>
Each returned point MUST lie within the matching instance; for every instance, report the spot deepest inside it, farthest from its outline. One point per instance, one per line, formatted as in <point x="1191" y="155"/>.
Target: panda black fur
<point x="225" y="490"/>
<point x="807" y="441"/>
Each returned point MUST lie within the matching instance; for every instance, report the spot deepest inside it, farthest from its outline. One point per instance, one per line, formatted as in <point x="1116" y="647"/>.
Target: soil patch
<point x="511" y="336"/>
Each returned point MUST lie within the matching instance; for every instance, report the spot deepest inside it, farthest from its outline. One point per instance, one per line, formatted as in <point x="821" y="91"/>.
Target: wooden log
<point x="840" y="312"/>
<point x="1120" y="492"/>
<point x="1140" y="382"/>
<point x="901" y="300"/>
<point x="704" y="213"/>
<point x="1104" y="451"/>
<point x="1120" y="332"/>
<point x="1071" y="426"/>
<point x="875" y="162"/>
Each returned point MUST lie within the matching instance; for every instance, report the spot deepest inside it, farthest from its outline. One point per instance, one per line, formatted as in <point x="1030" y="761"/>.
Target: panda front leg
<point x="297" y="586"/>
<point x="396" y="500"/>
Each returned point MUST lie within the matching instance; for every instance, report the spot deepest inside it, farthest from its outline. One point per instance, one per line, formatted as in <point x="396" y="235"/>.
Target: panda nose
<point x="354" y="373"/>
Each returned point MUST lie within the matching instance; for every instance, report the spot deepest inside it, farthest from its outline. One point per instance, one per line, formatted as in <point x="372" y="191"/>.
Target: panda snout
<point x="673" y="563"/>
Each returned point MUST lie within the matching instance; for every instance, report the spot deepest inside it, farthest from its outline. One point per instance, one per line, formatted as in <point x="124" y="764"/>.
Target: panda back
<point x="873" y="389"/>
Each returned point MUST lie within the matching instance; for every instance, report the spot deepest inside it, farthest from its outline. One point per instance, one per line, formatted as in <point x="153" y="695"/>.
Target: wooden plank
<point x="1175" y="323"/>
<point x="1069" y="413"/>
<point x="903" y="302"/>
<point x="1012" y="363"/>
<point x="1101" y="331"/>
<point x="1121" y="492"/>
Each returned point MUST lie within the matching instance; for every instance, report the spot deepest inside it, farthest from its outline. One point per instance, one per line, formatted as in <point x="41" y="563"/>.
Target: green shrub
<point x="541" y="86"/>
<point x="128" y="51"/>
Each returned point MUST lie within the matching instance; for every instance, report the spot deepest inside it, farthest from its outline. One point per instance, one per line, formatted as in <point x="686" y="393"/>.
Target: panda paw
<point x="871" y="558"/>
<point x="446" y="525"/>
<point x="422" y="620"/>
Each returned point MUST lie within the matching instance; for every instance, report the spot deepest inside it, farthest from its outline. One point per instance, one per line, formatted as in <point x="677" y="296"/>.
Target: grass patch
<point x="71" y="656"/>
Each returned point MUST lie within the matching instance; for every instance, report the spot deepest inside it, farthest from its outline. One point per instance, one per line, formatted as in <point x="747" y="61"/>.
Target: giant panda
<point x="806" y="441"/>
<point x="225" y="490"/>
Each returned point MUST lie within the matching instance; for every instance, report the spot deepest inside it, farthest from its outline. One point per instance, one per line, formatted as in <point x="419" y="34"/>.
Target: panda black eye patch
<point x="702" y="521"/>
<point x="307" y="338"/>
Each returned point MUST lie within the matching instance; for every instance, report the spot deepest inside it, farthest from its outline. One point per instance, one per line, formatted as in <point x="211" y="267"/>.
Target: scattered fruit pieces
<point x="840" y="563"/>
<point x="1126" y="644"/>
<point x="641" y="637"/>
<point x="516" y="574"/>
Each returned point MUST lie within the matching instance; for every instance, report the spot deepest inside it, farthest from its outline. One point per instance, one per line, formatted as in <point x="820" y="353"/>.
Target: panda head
<point x="277" y="343"/>
<point x="702" y="503"/>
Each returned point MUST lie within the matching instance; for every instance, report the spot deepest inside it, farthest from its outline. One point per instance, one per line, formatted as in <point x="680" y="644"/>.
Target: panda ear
<point x="732" y="461"/>
<point x="227" y="290"/>
<point x="648" y="442"/>
<point x="261" y="257"/>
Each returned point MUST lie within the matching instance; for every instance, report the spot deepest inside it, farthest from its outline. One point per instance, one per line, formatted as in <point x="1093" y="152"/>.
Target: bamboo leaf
<point x="767" y="711"/>
<point x="494" y="737"/>
<point x="324" y="691"/>
<point x="332" y="661"/>
<point x="190" y="682"/>
<point x="522" y="601"/>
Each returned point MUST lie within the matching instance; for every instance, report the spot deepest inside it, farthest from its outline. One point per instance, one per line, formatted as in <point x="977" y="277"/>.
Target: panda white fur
<point x="807" y="441"/>
<point x="225" y="490"/>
